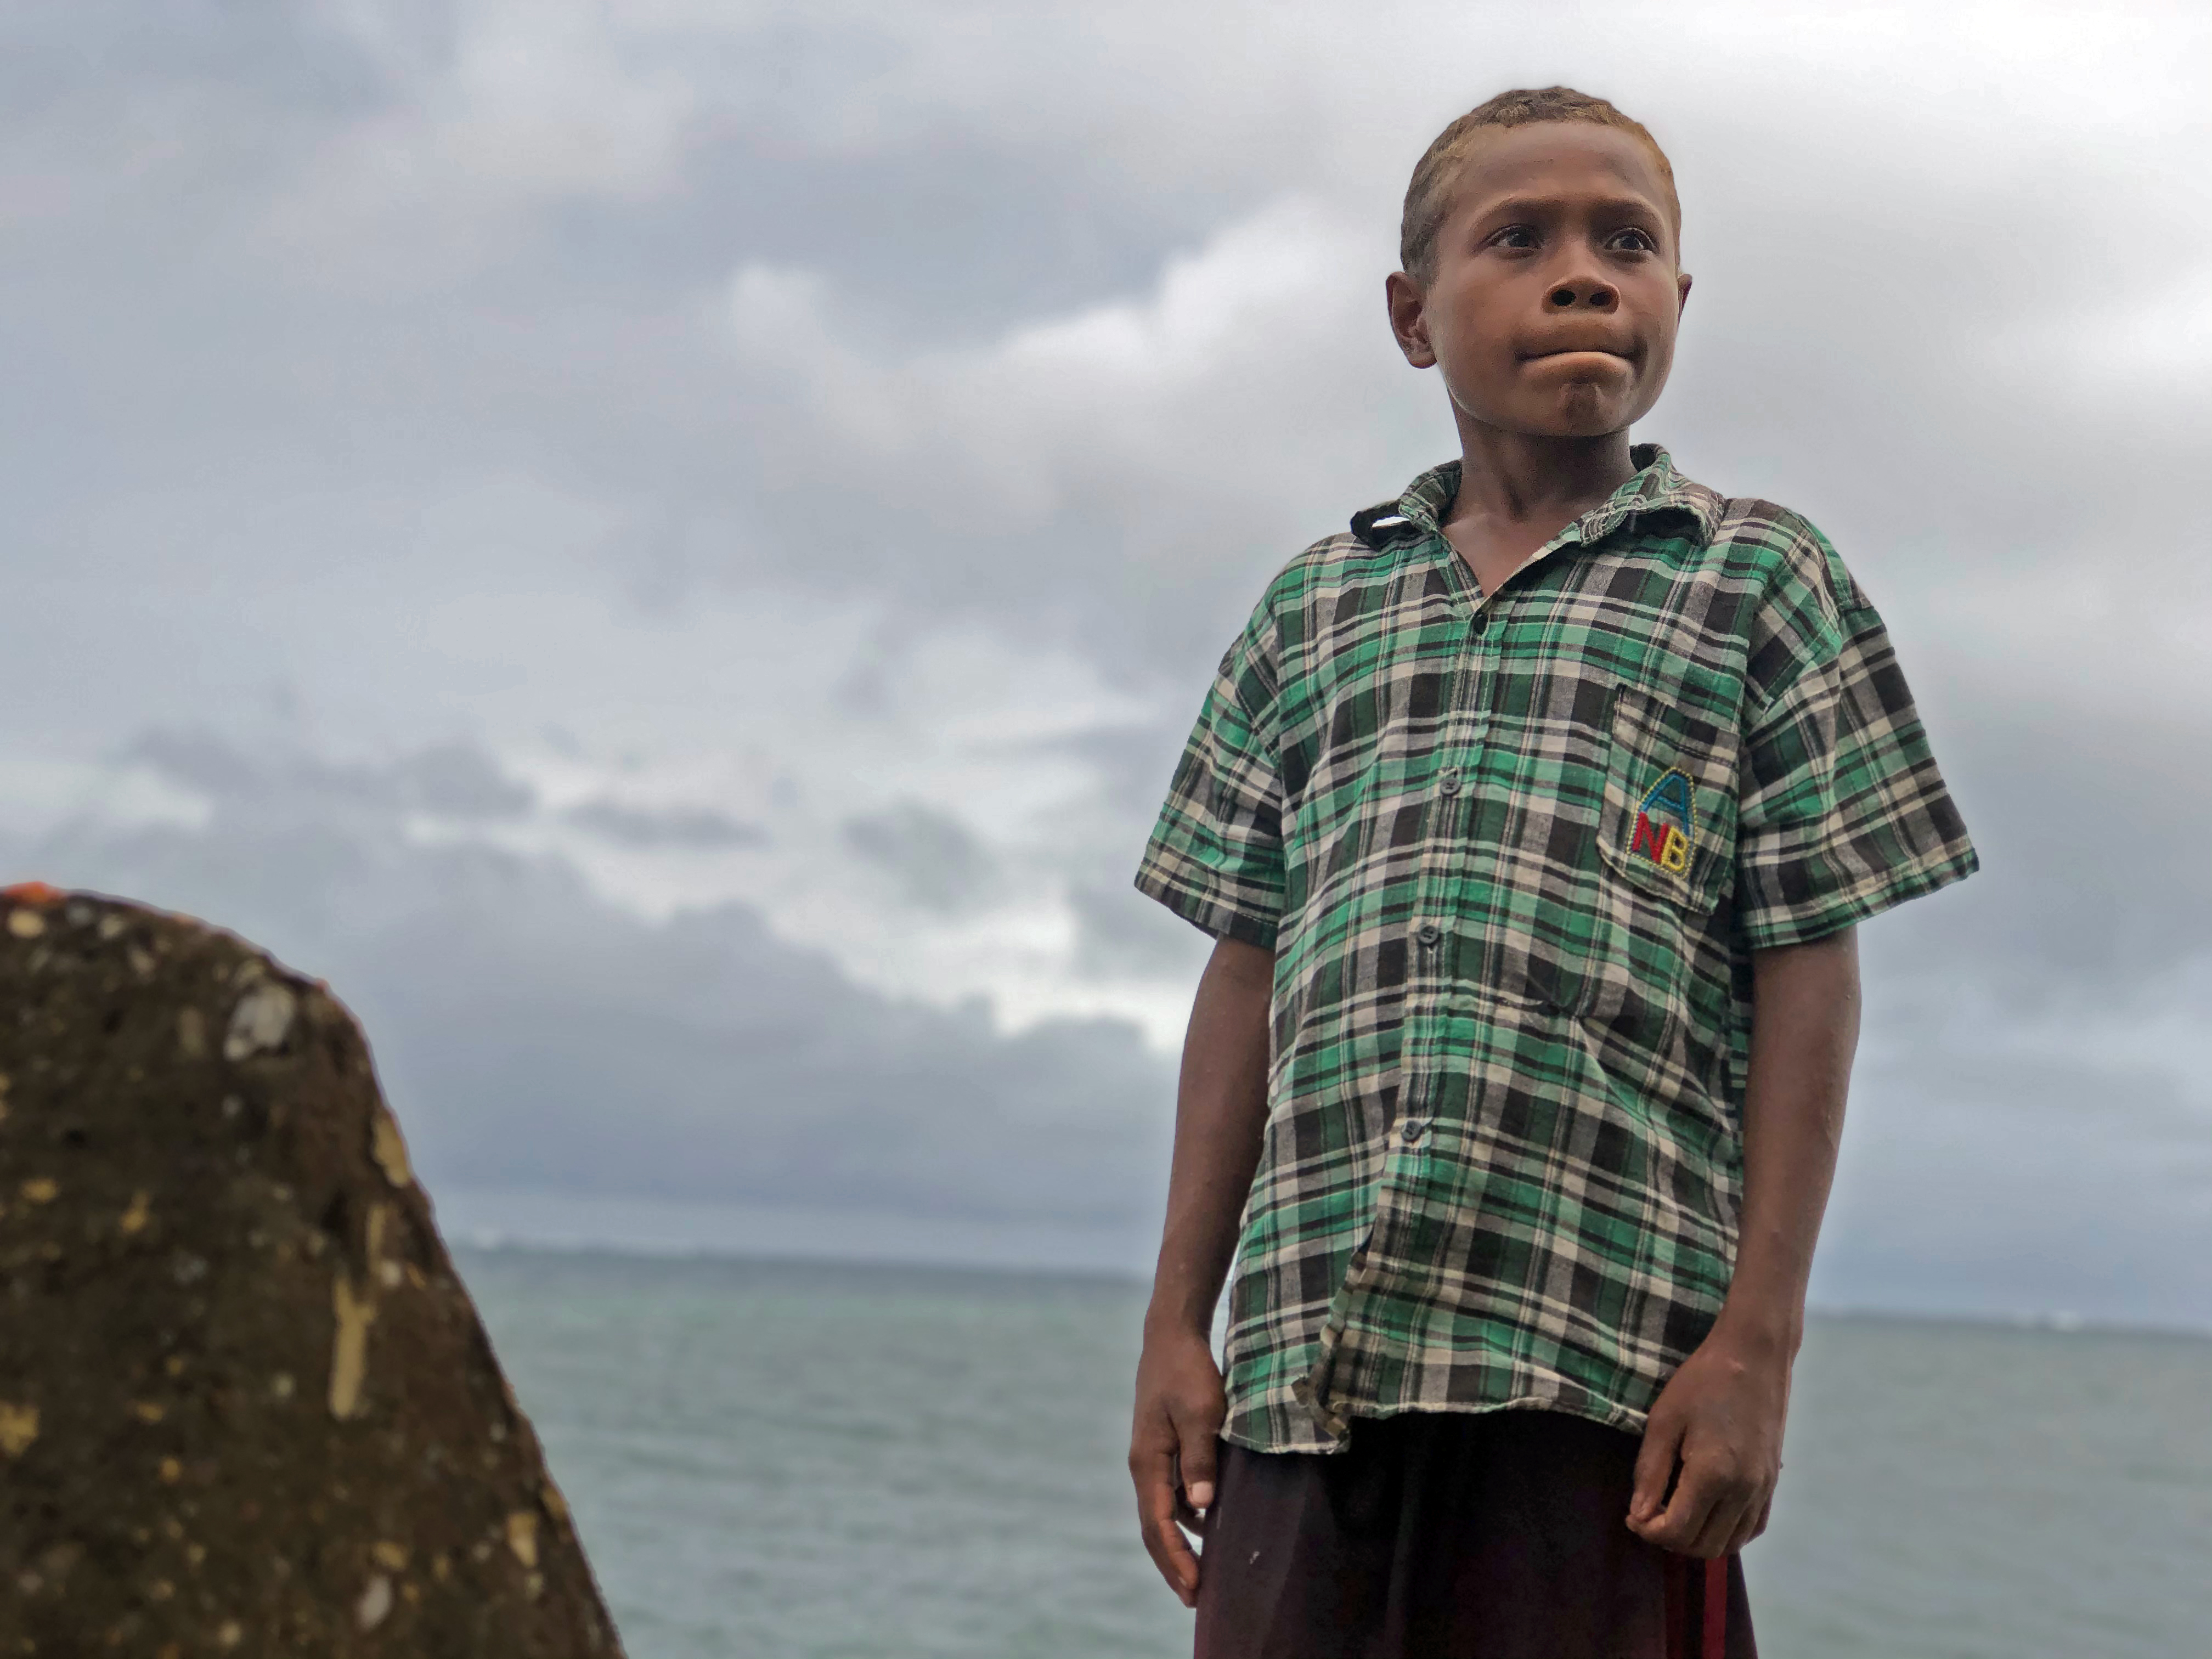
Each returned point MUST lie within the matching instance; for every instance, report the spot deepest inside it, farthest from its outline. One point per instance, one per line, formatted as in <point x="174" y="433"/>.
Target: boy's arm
<point x="1719" y="1419"/>
<point x="1221" y="1111"/>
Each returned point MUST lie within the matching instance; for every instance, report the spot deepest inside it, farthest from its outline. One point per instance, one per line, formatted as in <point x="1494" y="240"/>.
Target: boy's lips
<point x="1595" y="364"/>
<point x="1576" y="350"/>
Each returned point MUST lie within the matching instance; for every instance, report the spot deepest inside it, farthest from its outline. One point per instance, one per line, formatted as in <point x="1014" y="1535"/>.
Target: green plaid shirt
<point x="1513" y="853"/>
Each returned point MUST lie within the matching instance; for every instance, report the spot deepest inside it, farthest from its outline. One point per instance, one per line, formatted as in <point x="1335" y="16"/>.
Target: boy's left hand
<point x="1719" y="1422"/>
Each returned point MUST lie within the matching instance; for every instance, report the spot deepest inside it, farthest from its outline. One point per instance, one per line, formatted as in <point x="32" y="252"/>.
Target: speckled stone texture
<point x="246" y="1406"/>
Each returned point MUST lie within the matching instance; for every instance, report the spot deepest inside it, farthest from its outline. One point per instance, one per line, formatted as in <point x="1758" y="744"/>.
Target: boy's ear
<point x="1681" y="292"/>
<point x="1409" y="320"/>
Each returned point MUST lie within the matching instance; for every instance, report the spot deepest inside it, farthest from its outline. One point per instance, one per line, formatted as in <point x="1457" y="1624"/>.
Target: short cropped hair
<point x="1429" y="197"/>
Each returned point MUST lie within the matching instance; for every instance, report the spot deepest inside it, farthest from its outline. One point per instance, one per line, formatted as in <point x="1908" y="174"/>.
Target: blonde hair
<point x="1429" y="195"/>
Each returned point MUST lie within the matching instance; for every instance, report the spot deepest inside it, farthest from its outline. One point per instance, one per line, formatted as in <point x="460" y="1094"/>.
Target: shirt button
<point x="1449" y="784"/>
<point x="1428" y="933"/>
<point x="1409" y="1130"/>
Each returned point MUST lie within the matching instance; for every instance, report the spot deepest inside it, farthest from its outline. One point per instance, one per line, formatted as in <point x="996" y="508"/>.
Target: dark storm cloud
<point x="671" y="827"/>
<point x="451" y="780"/>
<point x="1051" y="327"/>
<point x="456" y="780"/>
<point x="1814" y="361"/>
<point x="932" y="856"/>
<point x="534" y="1038"/>
<point x="2095" y="889"/>
<point x="2014" y="1185"/>
<point x="61" y="57"/>
<point x="1119" y="933"/>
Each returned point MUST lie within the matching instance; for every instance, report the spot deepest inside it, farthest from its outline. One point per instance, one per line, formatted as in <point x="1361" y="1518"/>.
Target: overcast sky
<point x="668" y="550"/>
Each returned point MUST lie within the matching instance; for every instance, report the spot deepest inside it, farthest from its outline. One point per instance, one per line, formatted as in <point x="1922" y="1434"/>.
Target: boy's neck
<point x="1517" y="490"/>
<point x="1512" y="476"/>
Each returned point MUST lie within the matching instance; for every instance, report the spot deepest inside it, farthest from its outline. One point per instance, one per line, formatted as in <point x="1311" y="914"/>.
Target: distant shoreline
<point x="489" y="1243"/>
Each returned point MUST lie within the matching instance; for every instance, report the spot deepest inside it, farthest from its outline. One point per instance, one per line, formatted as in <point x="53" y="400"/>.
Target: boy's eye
<point x="1638" y="241"/>
<point x="1513" y="236"/>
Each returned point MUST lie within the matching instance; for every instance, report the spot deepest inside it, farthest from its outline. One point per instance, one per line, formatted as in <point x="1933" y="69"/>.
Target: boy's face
<point x="1558" y="285"/>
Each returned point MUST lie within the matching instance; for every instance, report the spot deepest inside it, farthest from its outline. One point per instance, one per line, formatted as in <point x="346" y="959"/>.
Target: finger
<point x="1692" y="1506"/>
<point x="1729" y="1512"/>
<point x="1186" y="1518"/>
<point x="1655" y="1467"/>
<point x="1746" y="1526"/>
<point x="1198" y="1465"/>
<point x="1164" y="1541"/>
<point x="1754" y="1523"/>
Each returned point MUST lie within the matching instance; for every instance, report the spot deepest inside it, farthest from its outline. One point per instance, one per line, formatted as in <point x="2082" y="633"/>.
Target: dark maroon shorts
<point x="1451" y="1535"/>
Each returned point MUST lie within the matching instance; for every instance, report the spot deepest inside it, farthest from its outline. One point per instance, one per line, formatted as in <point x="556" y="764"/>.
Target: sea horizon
<point x="491" y="1239"/>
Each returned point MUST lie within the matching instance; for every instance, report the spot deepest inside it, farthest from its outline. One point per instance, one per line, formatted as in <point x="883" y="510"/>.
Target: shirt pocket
<point x="1667" y="821"/>
<point x="1647" y="989"/>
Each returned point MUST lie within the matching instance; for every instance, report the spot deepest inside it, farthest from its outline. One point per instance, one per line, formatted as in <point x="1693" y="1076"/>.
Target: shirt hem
<point x="1860" y="904"/>
<point x="1209" y="915"/>
<point x="1614" y="1417"/>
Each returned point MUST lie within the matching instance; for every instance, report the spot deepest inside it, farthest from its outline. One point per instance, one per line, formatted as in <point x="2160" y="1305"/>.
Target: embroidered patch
<point x="1665" y="823"/>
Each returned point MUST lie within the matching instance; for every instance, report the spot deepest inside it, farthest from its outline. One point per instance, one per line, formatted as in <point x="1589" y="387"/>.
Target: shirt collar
<point x="1657" y="487"/>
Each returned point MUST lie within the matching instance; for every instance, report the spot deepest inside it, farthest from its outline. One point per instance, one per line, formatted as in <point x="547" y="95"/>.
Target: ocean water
<point x="801" y="1461"/>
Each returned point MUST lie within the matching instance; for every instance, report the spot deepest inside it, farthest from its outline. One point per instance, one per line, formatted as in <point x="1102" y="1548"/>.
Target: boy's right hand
<point x="1180" y="1410"/>
<point x="1221" y="1113"/>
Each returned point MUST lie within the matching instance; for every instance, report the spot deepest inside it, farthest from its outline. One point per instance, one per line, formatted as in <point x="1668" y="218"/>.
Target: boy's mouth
<point x="1579" y="350"/>
<point x="1597" y="365"/>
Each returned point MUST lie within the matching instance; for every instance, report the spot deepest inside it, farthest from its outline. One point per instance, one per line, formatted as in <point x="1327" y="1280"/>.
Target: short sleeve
<point x="1216" y="855"/>
<point x="1843" y="812"/>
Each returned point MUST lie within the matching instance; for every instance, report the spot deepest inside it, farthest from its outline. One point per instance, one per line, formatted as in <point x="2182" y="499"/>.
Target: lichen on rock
<point x="246" y="1404"/>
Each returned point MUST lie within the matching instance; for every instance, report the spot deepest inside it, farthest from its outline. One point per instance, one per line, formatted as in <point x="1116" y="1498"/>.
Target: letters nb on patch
<point x="1665" y="823"/>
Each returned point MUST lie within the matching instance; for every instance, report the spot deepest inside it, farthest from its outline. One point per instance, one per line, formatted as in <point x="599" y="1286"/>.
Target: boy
<point x="1532" y="820"/>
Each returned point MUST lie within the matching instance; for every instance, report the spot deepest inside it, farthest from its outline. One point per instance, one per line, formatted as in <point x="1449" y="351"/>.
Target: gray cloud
<point x="1986" y="1180"/>
<point x="447" y="400"/>
<point x="2092" y="892"/>
<point x="450" y="780"/>
<point x="1119" y="935"/>
<point x="535" y="1038"/>
<point x="459" y="781"/>
<point x="934" y="859"/>
<point x="671" y="827"/>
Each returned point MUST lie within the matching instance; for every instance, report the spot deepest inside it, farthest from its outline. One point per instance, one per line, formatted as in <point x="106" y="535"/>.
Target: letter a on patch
<point x="1665" y="823"/>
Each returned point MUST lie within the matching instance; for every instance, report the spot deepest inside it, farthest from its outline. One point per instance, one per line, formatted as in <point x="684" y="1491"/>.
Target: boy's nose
<point x="1598" y="296"/>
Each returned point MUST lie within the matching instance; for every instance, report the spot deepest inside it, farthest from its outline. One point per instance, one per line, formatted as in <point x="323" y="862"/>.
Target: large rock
<point x="246" y="1406"/>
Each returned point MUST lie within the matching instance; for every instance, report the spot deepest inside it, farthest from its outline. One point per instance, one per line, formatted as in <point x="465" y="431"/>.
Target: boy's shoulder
<point x="1782" y="548"/>
<point x="1771" y="554"/>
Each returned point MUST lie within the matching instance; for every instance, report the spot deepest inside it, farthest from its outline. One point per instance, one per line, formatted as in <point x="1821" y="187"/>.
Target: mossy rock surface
<point x="246" y="1404"/>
